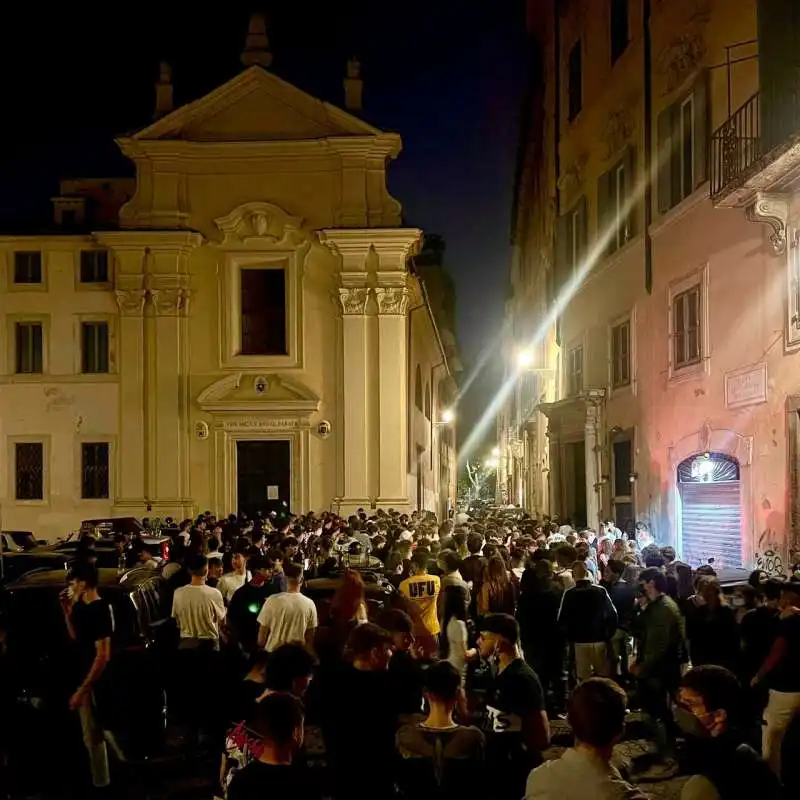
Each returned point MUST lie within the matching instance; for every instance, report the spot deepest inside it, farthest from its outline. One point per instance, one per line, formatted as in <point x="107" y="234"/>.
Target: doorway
<point x="574" y="484"/>
<point x="710" y="513"/>
<point x="263" y="475"/>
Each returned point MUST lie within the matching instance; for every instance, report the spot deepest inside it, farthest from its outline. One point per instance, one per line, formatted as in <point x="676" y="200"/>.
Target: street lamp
<point x="448" y="416"/>
<point x="491" y="463"/>
<point x="495" y="452"/>
<point x="525" y="358"/>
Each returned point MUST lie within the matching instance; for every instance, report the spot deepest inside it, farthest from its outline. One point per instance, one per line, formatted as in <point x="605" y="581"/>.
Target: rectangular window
<point x="793" y="321"/>
<point x="575" y="371"/>
<point x="621" y="355"/>
<point x="263" y="308"/>
<point x="94" y="266"/>
<point x="576" y="242"/>
<point x="29" y="470"/>
<point x="28" y="266"/>
<point x="94" y="347"/>
<point x="622" y="232"/>
<point x="575" y="81"/>
<point x="29" y="348"/>
<point x="94" y="470"/>
<point x="623" y="467"/>
<point x="619" y="28"/>
<point x="686" y="339"/>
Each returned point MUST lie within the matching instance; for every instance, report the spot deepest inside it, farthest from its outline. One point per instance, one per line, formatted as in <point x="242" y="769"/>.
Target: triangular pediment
<point x="238" y="393"/>
<point x="256" y="106"/>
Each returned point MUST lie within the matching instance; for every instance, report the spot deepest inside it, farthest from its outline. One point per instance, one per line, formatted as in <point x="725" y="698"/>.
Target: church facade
<point x="250" y="335"/>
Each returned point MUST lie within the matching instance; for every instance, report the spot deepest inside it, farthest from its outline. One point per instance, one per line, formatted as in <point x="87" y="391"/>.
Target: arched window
<point x="427" y="401"/>
<point x="418" y="388"/>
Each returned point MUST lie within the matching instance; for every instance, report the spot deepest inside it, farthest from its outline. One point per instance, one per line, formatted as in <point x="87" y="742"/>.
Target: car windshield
<point x="22" y="539"/>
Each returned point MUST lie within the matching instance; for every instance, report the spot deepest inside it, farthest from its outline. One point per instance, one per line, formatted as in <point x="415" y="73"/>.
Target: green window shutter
<point x="664" y="156"/>
<point x="702" y="128"/>
<point x="629" y="160"/>
<point x="605" y="210"/>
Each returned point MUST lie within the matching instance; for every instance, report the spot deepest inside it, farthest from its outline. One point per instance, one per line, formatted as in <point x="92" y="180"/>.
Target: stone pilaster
<point x="591" y="428"/>
<point x="355" y="422"/>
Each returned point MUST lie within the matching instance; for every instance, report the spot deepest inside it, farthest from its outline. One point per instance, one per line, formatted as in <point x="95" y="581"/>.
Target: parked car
<point x="18" y="541"/>
<point x="38" y="664"/>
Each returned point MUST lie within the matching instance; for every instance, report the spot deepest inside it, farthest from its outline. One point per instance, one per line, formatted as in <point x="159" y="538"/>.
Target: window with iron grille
<point x="263" y="310"/>
<point x="29" y="348"/>
<point x="686" y="338"/>
<point x="621" y="354"/>
<point x="28" y="266"/>
<point x="29" y="470"/>
<point x="94" y="470"/>
<point x="94" y="347"/>
<point x="94" y="266"/>
<point x="575" y="371"/>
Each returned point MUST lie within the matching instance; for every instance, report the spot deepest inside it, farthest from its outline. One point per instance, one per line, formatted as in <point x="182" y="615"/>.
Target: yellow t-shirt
<point x="423" y="590"/>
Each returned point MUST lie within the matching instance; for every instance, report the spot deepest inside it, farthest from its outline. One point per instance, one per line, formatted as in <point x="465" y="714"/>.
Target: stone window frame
<point x="11" y="460"/>
<point x="698" y="277"/>
<point x="230" y="319"/>
<point x="792" y="337"/>
<point x="11" y="349"/>
<point x="100" y="286"/>
<point x="111" y="321"/>
<point x="10" y="255"/>
<point x="77" y="470"/>
<point x="630" y="387"/>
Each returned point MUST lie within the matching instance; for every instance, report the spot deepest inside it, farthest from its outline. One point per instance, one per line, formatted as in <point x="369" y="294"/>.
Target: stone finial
<point x="353" y="85"/>
<point x="163" y="91"/>
<point x="256" y="47"/>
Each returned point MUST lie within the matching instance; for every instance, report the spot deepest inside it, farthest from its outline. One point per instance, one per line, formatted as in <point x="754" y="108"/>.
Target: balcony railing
<point x="736" y="145"/>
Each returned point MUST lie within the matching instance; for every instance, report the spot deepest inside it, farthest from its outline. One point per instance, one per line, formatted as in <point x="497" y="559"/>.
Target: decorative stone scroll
<point x="353" y="300"/>
<point x="170" y="302"/>
<point x="131" y="301"/>
<point x="680" y="58"/>
<point x="772" y="211"/>
<point x="392" y="300"/>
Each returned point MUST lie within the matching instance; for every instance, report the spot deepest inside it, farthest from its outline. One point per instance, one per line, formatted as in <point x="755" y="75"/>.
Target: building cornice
<point x="159" y="240"/>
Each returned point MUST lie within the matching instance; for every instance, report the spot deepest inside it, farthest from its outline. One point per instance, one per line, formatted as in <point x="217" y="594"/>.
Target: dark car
<point x="38" y="673"/>
<point x="18" y="541"/>
<point x="378" y="591"/>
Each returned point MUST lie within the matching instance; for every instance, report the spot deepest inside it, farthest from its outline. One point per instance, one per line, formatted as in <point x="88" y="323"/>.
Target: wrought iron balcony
<point x="736" y="145"/>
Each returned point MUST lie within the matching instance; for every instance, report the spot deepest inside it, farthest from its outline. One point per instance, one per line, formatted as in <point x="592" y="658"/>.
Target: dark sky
<point x="447" y="75"/>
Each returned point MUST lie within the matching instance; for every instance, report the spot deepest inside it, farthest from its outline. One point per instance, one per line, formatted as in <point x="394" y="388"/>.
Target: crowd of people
<point x="445" y="651"/>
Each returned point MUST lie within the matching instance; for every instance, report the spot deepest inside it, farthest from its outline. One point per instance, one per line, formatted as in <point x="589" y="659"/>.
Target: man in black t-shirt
<point x="781" y="672"/>
<point x="90" y="624"/>
<point x="279" y="722"/>
<point x="518" y="726"/>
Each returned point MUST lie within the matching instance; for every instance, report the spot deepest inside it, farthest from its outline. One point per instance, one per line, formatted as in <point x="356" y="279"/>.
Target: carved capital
<point x="392" y="300"/>
<point x="772" y="210"/>
<point x="131" y="295"/>
<point x="170" y="295"/>
<point x="353" y="300"/>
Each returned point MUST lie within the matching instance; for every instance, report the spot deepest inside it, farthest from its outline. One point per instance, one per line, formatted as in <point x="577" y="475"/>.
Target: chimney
<point x="163" y="91"/>
<point x="256" y="47"/>
<point x="353" y="86"/>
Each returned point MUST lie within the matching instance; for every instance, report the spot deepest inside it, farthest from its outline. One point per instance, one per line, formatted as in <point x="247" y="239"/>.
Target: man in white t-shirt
<point x="288" y="617"/>
<point x="237" y="577"/>
<point x="198" y="609"/>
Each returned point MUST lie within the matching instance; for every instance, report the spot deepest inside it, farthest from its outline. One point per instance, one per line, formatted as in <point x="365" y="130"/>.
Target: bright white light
<point x="448" y="416"/>
<point x="495" y="452"/>
<point x="491" y="463"/>
<point x="525" y="358"/>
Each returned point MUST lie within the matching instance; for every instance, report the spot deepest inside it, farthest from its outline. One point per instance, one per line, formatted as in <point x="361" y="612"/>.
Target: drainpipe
<point x="648" y="148"/>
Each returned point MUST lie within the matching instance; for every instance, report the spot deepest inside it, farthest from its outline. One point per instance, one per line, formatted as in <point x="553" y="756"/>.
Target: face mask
<point x="691" y="725"/>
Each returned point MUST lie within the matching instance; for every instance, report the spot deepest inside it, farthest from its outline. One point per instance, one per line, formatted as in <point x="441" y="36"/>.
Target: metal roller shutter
<point x="711" y="523"/>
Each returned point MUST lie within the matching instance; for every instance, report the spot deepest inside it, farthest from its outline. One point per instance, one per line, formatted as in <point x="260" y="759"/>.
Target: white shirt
<point x="578" y="776"/>
<point x="198" y="610"/>
<point x="287" y="617"/>
<point x="457" y="646"/>
<point x="229" y="583"/>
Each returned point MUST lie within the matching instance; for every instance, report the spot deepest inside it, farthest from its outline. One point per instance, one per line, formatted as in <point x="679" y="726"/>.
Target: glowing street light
<point x="448" y="416"/>
<point x="491" y="463"/>
<point x="525" y="358"/>
<point x="495" y="452"/>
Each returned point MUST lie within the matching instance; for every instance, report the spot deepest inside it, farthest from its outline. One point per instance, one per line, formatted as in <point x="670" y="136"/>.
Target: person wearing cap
<point x="519" y="728"/>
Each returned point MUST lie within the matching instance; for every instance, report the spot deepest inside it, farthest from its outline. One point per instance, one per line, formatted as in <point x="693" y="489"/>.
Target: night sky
<point x="448" y="80"/>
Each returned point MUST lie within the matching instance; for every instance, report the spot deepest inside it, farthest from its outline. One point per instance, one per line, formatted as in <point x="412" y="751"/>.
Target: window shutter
<point x="562" y="253"/>
<point x="605" y="210"/>
<point x="701" y="128"/>
<point x="664" y="158"/>
<point x="630" y="185"/>
<point x="583" y="233"/>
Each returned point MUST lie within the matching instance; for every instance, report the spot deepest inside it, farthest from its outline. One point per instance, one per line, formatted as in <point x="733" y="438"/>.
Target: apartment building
<point x="655" y="279"/>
